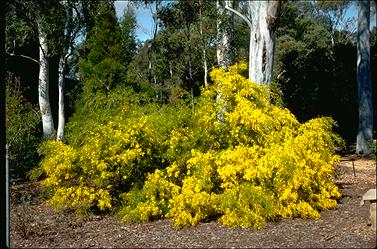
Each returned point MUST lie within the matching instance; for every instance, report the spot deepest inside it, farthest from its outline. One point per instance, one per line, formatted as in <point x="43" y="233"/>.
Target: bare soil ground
<point x="36" y="225"/>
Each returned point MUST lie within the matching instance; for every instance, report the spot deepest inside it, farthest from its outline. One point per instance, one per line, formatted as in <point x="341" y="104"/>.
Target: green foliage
<point x="317" y="76"/>
<point x="17" y="29"/>
<point x="22" y="130"/>
<point x="176" y="53"/>
<point x="111" y="47"/>
<point x="258" y="164"/>
<point x="98" y="110"/>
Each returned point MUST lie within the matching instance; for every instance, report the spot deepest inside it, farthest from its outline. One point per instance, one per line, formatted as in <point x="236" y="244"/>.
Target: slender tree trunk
<point x="190" y="53"/>
<point x="43" y="88"/>
<point x="61" y="83"/>
<point x="205" y="67"/>
<point x="223" y="50"/>
<point x="364" y="85"/>
<point x="151" y="47"/>
<point x="150" y="75"/>
<point x="224" y="34"/>
<point x="219" y="54"/>
<point x="204" y="50"/>
<point x="170" y="70"/>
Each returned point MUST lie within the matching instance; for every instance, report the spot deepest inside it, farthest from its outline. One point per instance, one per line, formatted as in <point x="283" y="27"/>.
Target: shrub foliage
<point x="23" y="130"/>
<point x="238" y="159"/>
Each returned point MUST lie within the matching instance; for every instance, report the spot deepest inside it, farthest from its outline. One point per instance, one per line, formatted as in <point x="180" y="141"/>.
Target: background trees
<point x="318" y="77"/>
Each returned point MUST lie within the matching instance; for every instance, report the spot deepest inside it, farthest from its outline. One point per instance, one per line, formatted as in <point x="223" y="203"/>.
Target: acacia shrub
<point x="112" y="158"/>
<point x="151" y="162"/>
<point x="258" y="164"/>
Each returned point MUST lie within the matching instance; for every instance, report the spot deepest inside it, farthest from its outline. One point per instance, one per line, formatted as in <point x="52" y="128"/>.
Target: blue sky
<point x="145" y="20"/>
<point x="143" y="17"/>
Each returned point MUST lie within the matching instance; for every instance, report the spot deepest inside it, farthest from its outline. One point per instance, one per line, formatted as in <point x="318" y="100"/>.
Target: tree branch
<point x="239" y="14"/>
<point x="22" y="56"/>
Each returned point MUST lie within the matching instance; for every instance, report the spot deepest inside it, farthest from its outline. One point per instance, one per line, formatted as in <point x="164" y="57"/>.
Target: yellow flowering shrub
<point x="257" y="163"/>
<point x="192" y="205"/>
<point x="113" y="159"/>
<point x="245" y="205"/>
<point x="151" y="202"/>
<point x="64" y="180"/>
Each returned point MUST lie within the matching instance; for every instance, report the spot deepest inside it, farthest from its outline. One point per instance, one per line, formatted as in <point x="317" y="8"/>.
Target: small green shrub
<point x="22" y="130"/>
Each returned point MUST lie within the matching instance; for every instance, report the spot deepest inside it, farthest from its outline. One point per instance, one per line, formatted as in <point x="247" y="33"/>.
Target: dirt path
<point x="35" y="225"/>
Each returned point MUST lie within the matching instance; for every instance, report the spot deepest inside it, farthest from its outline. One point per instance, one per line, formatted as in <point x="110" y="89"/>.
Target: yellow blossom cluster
<point x="257" y="163"/>
<point x="110" y="157"/>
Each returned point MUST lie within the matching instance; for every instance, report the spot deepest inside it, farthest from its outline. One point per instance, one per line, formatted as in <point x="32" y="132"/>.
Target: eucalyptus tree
<point x="183" y="39"/>
<point x="55" y="27"/>
<point x="33" y="20"/>
<point x="203" y="38"/>
<point x="364" y="85"/>
<point x="335" y="15"/>
<point x="71" y="27"/>
<point x="43" y="86"/>
<point x="225" y="32"/>
<point x="262" y="21"/>
<point x="151" y="43"/>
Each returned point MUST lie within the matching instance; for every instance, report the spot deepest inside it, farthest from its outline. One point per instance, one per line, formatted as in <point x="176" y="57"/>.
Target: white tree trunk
<point x="262" y="23"/>
<point x="223" y="50"/>
<point x="364" y="85"/>
<point x="204" y="51"/>
<point x="205" y="68"/>
<point x="43" y="88"/>
<point x="61" y="83"/>
<point x="263" y="15"/>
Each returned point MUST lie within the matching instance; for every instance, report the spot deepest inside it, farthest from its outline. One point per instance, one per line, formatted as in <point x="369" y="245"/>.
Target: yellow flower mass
<point x="256" y="164"/>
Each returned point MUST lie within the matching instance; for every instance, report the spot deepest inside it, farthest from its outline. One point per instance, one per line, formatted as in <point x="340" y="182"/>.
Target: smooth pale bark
<point x="364" y="84"/>
<point x="151" y="75"/>
<point x="61" y="83"/>
<point x="251" y="35"/>
<point x="43" y="89"/>
<point x="204" y="50"/>
<point x="70" y="34"/>
<point x="223" y="50"/>
<point x="261" y="20"/>
<point x="224" y="33"/>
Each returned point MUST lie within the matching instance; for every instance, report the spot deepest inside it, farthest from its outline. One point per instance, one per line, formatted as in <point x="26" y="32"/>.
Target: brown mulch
<point x="36" y="225"/>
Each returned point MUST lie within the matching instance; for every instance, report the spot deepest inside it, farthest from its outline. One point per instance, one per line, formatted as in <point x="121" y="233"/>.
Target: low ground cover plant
<point x="235" y="157"/>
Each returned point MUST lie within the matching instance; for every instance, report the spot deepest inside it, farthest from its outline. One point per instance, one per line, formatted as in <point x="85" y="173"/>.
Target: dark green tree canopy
<point x="110" y="49"/>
